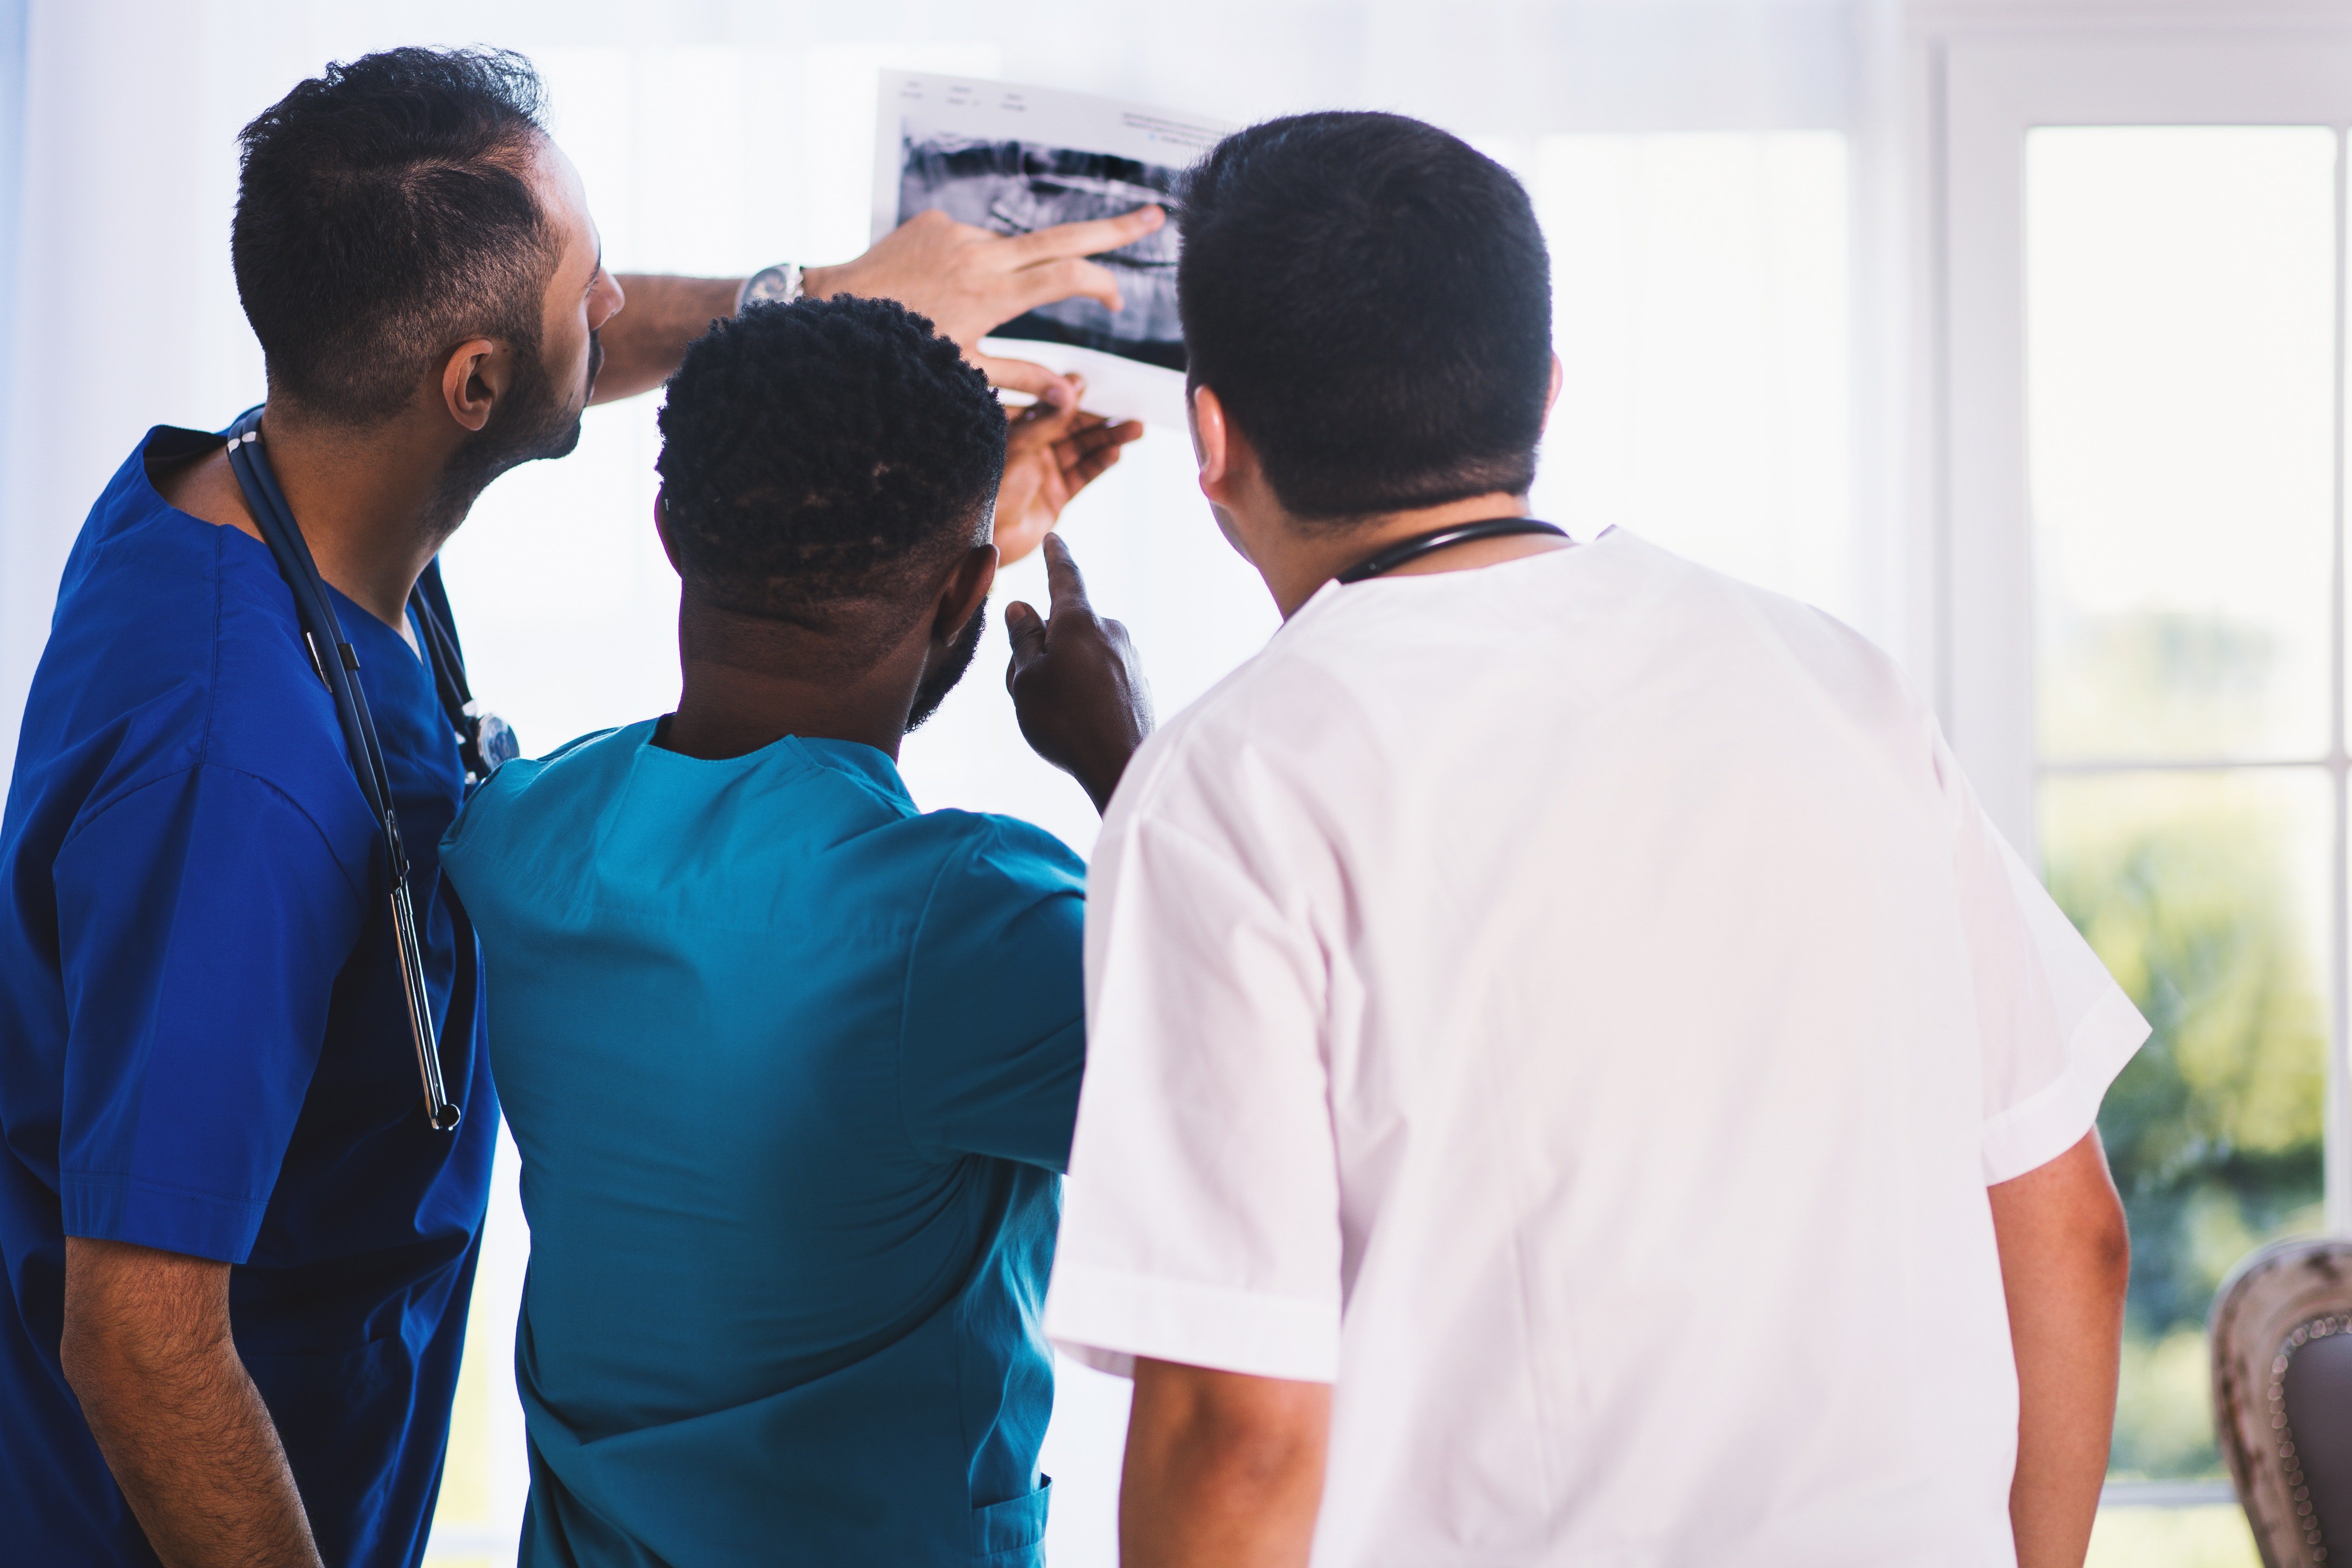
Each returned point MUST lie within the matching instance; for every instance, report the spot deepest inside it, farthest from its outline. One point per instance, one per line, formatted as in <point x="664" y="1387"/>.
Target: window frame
<point x="1989" y="93"/>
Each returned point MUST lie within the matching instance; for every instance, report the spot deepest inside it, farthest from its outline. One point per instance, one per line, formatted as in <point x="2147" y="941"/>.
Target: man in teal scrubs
<point x="793" y="1065"/>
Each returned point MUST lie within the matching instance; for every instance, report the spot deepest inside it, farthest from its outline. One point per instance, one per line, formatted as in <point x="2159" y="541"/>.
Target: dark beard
<point x="938" y="681"/>
<point x="529" y="423"/>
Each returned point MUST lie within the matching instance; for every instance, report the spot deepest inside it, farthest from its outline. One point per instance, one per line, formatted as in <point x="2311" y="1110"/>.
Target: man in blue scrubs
<point x="792" y="1064"/>
<point x="237" y="1255"/>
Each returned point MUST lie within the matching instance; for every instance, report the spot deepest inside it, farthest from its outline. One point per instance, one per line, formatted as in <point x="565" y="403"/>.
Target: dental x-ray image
<point x="1014" y="159"/>
<point x="1017" y="187"/>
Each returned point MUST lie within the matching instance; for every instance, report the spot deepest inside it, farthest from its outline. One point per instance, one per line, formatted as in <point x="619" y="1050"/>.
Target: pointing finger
<point x="1068" y="588"/>
<point x="1092" y="237"/>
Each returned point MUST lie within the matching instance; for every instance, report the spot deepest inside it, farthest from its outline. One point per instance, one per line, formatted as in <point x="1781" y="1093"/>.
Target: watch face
<point x="772" y="283"/>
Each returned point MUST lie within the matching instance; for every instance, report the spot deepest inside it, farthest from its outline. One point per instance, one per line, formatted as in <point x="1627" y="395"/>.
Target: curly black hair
<point x="385" y="214"/>
<point x="824" y="452"/>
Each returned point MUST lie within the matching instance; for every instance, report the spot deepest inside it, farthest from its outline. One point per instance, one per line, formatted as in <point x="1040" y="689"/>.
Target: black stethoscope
<point x="483" y="740"/>
<point x="1421" y="545"/>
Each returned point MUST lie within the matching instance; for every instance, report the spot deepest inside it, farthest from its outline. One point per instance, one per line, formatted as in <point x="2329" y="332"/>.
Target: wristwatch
<point x="780" y="283"/>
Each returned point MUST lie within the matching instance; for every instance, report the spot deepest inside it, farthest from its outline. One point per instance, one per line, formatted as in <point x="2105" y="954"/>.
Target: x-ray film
<point x="1019" y="159"/>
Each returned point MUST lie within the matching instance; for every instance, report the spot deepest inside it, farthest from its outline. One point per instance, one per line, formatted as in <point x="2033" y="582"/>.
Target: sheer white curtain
<point x="1725" y="261"/>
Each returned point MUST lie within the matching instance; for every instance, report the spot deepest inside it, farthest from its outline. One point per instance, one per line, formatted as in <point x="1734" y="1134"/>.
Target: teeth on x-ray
<point x="1018" y="188"/>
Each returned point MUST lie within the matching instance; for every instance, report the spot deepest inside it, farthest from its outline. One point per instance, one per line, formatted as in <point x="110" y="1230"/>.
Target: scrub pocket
<point x="1012" y="1532"/>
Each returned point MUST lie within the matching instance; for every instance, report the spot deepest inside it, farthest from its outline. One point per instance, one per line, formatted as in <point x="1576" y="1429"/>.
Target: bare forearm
<point x="1223" y="1470"/>
<point x="176" y="1414"/>
<point x="2065" y="1264"/>
<point x="646" y="341"/>
<point x="2066" y="1411"/>
<point x="966" y="280"/>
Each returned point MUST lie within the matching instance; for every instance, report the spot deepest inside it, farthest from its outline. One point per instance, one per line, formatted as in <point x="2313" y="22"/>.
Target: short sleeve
<point x="994" y="1037"/>
<point x="2053" y="1026"/>
<point x="1201" y="1224"/>
<point x="201" y="920"/>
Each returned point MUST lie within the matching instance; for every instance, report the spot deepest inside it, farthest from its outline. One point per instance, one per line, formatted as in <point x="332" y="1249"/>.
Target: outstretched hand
<point x="1051" y="453"/>
<point x="1077" y="686"/>
<point x="969" y="281"/>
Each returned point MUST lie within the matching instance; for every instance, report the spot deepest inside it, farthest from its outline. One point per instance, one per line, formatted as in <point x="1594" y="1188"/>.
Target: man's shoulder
<point x="999" y="890"/>
<point x="1271" y="718"/>
<point x="999" y="855"/>
<point x="170" y="650"/>
<point x="140" y="560"/>
<point x="665" y="836"/>
<point x="1787" y="655"/>
<point x="131" y="509"/>
<point x="582" y="770"/>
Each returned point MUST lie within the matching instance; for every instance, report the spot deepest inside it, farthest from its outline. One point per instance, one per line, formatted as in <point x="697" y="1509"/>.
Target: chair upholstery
<point x="2282" y="1339"/>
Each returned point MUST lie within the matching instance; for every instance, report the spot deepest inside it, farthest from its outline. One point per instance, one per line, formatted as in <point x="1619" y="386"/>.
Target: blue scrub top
<point x="203" y="1041"/>
<point x="792" y="1068"/>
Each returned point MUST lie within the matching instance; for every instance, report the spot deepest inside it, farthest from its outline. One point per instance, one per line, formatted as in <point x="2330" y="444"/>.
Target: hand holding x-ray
<point x="1052" y="451"/>
<point x="969" y="281"/>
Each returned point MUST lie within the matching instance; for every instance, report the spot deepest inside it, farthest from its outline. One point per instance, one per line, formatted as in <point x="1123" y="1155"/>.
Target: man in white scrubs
<point x="1574" y="1078"/>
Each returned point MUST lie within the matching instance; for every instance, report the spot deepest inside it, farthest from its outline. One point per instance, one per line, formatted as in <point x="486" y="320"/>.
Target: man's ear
<point x="661" y="530"/>
<point x="1551" y="397"/>
<point x="473" y="378"/>
<point x="1228" y="464"/>
<point x="1212" y="441"/>
<point x="965" y="592"/>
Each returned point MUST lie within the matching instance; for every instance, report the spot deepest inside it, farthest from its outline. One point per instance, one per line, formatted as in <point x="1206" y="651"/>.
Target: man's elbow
<point x="135" y="1317"/>
<point x="94" y="1351"/>
<point x="80" y="1358"/>
<point x="2101" y="1233"/>
<point x="1250" y="1431"/>
<point x="102" y="1362"/>
<point x="2107" y="1247"/>
<point x="2060" y="1227"/>
<point x="1220" y="1468"/>
<point x="1247" y="1458"/>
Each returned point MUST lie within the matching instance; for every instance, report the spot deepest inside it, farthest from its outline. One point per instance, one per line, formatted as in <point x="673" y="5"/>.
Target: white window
<point x="2146" y="432"/>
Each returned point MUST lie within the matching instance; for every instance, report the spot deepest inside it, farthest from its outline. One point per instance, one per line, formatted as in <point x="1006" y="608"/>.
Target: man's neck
<point x="371" y="502"/>
<point x="1297" y="559"/>
<point x="749" y="681"/>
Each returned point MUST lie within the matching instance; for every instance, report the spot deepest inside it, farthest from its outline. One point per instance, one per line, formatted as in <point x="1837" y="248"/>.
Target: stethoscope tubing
<point x="338" y="665"/>
<point x="1436" y="539"/>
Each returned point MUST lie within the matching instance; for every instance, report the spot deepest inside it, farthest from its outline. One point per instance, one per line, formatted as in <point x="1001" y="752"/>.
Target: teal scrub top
<point x="793" y="1068"/>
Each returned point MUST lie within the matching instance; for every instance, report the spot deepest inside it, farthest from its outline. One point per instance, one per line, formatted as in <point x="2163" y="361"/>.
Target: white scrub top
<point x="1576" y="1005"/>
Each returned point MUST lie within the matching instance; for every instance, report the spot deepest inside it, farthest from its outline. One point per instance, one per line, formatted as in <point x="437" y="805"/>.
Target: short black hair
<point x="384" y="214"/>
<point x="822" y="459"/>
<point x="1370" y="300"/>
